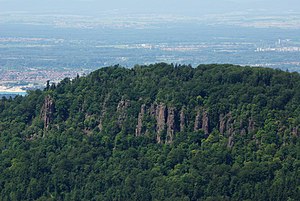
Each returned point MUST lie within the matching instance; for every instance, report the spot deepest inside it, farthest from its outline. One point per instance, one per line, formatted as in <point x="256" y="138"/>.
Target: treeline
<point x="157" y="132"/>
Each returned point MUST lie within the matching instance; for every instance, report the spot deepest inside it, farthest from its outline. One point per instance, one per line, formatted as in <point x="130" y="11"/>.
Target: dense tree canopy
<point x="226" y="133"/>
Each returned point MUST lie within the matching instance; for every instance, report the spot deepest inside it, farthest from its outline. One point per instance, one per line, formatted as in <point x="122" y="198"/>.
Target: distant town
<point x="66" y="45"/>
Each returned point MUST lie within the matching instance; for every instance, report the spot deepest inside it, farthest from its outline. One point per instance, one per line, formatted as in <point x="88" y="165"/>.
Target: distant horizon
<point x="186" y="8"/>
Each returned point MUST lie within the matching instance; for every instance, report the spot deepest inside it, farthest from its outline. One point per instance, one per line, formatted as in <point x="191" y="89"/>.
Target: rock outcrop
<point x="168" y="121"/>
<point x="229" y="126"/>
<point x="139" y="126"/>
<point x="160" y="121"/>
<point x="47" y="111"/>
<point x="226" y="127"/>
<point x="226" y="124"/>
<point x="152" y="111"/>
<point x="222" y="124"/>
<point x="202" y="121"/>
<point x="122" y="105"/>
<point x="103" y="112"/>
<point x="230" y="142"/>
<point x="171" y="125"/>
<point x="197" y="125"/>
<point x="182" y="120"/>
<point x="121" y="110"/>
<point x="205" y="122"/>
<point x="165" y="122"/>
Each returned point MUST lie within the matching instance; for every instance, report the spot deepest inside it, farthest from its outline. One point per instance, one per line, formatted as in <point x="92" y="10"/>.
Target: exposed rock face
<point x="205" y="122"/>
<point x="226" y="127"/>
<point x="160" y="121"/>
<point x="139" y="126"/>
<point x="226" y="124"/>
<point x="182" y="120"/>
<point x="152" y="111"/>
<point x="47" y="111"/>
<point x="171" y="125"/>
<point x="123" y="104"/>
<point x="121" y="109"/>
<point x="165" y="120"/>
<point x="197" y="124"/>
<point x="230" y="142"/>
<point x="168" y="120"/>
<point x="229" y="124"/>
<point x="103" y="112"/>
<point x="222" y="124"/>
<point x="202" y="122"/>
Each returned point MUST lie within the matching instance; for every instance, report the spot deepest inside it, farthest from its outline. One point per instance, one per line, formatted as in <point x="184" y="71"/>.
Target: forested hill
<point x="157" y="132"/>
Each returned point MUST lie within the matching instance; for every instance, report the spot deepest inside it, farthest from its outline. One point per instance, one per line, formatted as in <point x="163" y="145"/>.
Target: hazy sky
<point x="187" y="7"/>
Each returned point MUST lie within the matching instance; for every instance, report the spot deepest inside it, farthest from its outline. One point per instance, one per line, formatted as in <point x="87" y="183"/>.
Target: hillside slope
<point x="157" y="132"/>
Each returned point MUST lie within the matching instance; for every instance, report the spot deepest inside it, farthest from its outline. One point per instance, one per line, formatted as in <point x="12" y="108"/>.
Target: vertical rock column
<point x="160" y="121"/>
<point x="47" y="111"/>
<point x="222" y="124"/>
<point x="197" y="125"/>
<point x="202" y="122"/>
<point x="171" y="125"/>
<point x="139" y="126"/>
<point x="103" y="112"/>
<point x="182" y="120"/>
<point x="205" y="122"/>
<point x="121" y="110"/>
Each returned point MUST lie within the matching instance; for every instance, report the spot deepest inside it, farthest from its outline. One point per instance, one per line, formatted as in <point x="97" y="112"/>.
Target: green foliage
<point x="90" y="152"/>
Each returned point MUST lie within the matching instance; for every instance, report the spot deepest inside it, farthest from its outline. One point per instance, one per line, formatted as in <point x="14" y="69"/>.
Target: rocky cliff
<point x="160" y="121"/>
<point x="182" y="120"/>
<point x="47" y="111"/>
<point x="169" y="120"/>
<point x="103" y="112"/>
<point x="202" y="121"/>
<point x="139" y="126"/>
<point x="171" y="125"/>
<point x="122" y="111"/>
